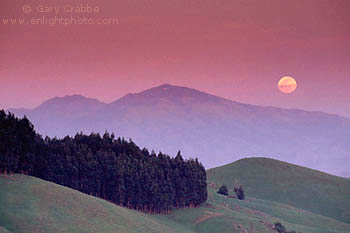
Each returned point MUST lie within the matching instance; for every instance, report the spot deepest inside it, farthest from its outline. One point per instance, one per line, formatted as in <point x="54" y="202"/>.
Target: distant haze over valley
<point x="216" y="130"/>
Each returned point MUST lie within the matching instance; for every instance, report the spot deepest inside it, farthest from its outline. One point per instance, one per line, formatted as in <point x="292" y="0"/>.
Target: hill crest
<point x="275" y="180"/>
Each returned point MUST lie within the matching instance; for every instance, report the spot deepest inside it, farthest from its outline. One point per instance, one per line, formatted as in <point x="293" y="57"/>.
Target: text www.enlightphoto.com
<point x="53" y="15"/>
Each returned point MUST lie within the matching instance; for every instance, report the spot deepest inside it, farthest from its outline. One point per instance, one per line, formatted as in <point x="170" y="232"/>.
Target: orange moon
<point x="287" y="84"/>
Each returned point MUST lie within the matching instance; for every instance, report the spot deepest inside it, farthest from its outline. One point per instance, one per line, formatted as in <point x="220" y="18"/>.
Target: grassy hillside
<point x="282" y="182"/>
<point x="29" y="204"/>
<point x="224" y="215"/>
<point x="3" y="230"/>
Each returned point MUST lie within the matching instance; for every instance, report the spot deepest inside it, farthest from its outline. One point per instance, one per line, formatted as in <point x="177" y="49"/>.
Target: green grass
<point x="28" y="204"/>
<point x="222" y="214"/>
<point x="3" y="230"/>
<point x="286" y="183"/>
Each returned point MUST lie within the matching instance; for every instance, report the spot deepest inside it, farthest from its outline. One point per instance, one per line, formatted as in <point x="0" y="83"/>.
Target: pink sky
<point x="234" y="49"/>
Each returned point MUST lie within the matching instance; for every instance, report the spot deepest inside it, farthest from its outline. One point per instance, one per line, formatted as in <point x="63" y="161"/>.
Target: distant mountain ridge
<point x="216" y="130"/>
<point x="74" y="103"/>
<point x="50" y="117"/>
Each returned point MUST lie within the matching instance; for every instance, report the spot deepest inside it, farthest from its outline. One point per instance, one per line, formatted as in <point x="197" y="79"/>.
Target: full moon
<point x="287" y="84"/>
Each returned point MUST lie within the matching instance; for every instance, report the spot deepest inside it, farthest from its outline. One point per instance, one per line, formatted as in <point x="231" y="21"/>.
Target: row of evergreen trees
<point x="113" y="169"/>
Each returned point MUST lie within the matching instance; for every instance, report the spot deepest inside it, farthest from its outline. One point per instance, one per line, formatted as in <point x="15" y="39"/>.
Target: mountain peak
<point x="169" y="93"/>
<point x="70" y="99"/>
<point x="75" y="96"/>
<point x="166" y="85"/>
<point x="176" y="93"/>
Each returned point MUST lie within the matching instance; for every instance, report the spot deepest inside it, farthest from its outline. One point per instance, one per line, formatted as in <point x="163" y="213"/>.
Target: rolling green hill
<point x="29" y="204"/>
<point x="226" y="215"/>
<point x="286" y="183"/>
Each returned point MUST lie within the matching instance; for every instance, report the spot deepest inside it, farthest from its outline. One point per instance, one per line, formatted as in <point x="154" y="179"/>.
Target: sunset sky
<point x="237" y="49"/>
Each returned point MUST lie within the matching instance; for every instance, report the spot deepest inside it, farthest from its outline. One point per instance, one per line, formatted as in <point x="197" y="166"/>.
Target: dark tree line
<point x="103" y="166"/>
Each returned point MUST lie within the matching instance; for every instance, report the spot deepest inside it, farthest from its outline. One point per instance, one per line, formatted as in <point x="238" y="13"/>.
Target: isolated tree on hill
<point x="223" y="190"/>
<point x="239" y="192"/>
<point x="281" y="229"/>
